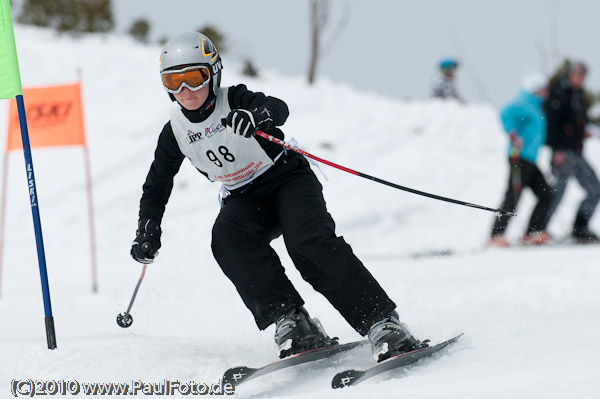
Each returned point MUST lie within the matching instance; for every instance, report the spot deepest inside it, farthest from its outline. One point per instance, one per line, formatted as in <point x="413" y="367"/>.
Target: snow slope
<point x="529" y="314"/>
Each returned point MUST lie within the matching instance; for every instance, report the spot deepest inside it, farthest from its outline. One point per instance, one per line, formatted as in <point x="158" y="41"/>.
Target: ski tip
<point x="451" y="340"/>
<point x="433" y="253"/>
<point x="346" y="378"/>
<point x="441" y="345"/>
<point x="236" y="375"/>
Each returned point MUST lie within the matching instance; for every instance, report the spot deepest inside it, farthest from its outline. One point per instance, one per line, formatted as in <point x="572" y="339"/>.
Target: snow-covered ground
<point x="530" y="315"/>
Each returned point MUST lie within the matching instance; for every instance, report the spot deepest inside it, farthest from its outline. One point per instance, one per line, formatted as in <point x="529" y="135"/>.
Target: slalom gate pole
<point x="37" y="225"/>
<point x="88" y="184"/>
<point x="3" y="212"/>
<point x="499" y="212"/>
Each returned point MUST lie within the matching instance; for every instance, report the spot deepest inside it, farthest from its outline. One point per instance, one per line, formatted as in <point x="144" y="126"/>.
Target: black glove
<point x="146" y="244"/>
<point x="245" y="123"/>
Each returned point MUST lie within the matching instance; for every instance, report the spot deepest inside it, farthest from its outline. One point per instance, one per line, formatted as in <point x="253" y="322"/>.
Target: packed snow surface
<point x="530" y="315"/>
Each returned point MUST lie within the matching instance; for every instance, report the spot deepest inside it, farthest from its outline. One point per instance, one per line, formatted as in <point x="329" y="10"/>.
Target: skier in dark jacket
<point x="567" y="120"/>
<point x="266" y="192"/>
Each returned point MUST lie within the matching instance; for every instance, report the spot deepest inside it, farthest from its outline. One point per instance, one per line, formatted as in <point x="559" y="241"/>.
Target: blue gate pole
<point x="49" y="319"/>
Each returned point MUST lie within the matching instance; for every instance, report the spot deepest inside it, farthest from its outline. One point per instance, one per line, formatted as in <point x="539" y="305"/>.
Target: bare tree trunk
<point x="318" y="19"/>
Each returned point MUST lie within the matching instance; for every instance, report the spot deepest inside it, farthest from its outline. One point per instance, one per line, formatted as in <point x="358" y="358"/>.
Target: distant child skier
<point x="444" y="85"/>
<point x="525" y="123"/>
<point x="267" y="192"/>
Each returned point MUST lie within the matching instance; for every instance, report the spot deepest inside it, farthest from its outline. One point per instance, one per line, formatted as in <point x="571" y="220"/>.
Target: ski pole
<point x="124" y="319"/>
<point x="282" y="143"/>
<point x="515" y="171"/>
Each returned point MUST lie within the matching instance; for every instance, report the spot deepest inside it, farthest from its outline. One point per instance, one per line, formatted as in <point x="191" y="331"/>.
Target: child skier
<point x="444" y="85"/>
<point x="266" y="193"/>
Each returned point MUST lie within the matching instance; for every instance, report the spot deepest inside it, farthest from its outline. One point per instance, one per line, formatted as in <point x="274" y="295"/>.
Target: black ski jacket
<point x="168" y="157"/>
<point x="566" y="116"/>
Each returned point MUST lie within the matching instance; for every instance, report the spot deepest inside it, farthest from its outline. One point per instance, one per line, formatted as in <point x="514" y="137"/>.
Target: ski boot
<point x="497" y="241"/>
<point x="536" y="238"/>
<point x="583" y="235"/>
<point x="296" y="332"/>
<point x="389" y="338"/>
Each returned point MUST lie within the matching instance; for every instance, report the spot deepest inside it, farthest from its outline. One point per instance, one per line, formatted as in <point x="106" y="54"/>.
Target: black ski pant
<point x="287" y="200"/>
<point x="576" y="165"/>
<point x="525" y="174"/>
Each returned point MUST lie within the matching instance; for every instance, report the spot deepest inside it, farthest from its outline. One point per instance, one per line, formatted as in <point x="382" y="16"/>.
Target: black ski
<point x="353" y="377"/>
<point x="448" y="252"/>
<point x="239" y="375"/>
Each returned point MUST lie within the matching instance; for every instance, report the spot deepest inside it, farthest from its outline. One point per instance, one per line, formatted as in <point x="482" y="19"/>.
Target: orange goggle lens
<point x="194" y="77"/>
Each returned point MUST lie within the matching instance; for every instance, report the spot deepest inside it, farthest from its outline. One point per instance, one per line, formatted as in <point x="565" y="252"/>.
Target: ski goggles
<point x="193" y="77"/>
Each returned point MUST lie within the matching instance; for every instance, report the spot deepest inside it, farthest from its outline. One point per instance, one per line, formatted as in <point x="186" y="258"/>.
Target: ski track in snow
<point x="529" y="314"/>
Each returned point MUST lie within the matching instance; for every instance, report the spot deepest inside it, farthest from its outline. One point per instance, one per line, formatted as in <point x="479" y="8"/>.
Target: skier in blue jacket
<point x="524" y="121"/>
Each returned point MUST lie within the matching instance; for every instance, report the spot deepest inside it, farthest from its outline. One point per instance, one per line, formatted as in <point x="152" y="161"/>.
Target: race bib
<point x="224" y="157"/>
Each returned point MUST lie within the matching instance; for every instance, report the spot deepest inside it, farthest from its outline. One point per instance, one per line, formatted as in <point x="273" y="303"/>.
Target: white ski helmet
<point x="192" y="48"/>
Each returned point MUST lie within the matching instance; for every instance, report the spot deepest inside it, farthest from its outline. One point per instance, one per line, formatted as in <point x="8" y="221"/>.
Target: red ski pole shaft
<point x="378" y="180"/>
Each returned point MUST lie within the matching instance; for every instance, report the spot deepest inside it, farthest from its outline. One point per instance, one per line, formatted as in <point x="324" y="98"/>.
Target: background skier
<point x="566" y="110"/>
<point x="444" y="85"/>
<point x="524" y="121"/>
